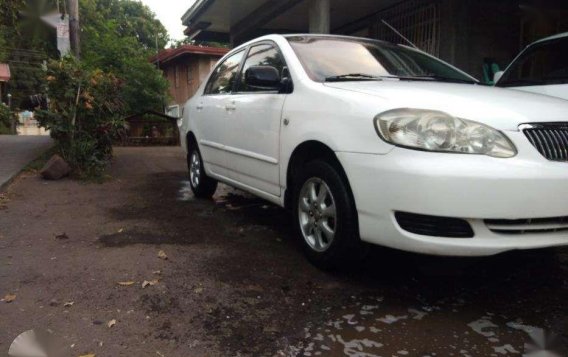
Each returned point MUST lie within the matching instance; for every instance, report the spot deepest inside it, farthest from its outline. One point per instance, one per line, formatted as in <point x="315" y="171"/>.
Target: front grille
<point x="550" y="139"/>
<point x="527" y="226"/>
<point x="434" y="226"/>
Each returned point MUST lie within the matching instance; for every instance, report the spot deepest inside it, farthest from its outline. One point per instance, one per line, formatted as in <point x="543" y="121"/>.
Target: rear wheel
<point x="325" y="215"/>
<point x="202" y="185"/>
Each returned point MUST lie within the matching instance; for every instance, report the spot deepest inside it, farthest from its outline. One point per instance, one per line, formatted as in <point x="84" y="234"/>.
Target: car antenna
<point x="399" y="34"/>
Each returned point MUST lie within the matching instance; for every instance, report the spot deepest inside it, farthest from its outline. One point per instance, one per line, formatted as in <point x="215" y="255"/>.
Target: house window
<point x="419" y="21"/>
<point x="176" y="76"/>
<point x="190" y="75"/>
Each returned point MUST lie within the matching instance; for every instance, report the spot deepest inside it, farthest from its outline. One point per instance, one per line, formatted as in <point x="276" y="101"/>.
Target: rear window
<point x="541" y="64"/>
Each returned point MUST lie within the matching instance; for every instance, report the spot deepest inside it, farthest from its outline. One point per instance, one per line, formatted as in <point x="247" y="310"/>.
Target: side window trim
<point x="245" y="50"/>
<point x="263" y="42"/>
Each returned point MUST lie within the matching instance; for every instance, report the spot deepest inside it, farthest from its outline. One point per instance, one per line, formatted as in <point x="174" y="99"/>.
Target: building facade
<point x="186" y="68"/>
<point x="471" y="34"/>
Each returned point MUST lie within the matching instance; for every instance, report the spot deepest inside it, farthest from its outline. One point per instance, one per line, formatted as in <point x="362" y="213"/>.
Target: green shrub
<point x="6" y="117"/>
<point x="84" y="114"/>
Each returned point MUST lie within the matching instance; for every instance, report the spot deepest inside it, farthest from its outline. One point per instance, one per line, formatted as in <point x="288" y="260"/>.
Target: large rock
<point x="55" y="169"/>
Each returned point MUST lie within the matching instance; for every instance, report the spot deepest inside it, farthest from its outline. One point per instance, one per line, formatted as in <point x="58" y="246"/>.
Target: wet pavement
<point x="236" y="284"/>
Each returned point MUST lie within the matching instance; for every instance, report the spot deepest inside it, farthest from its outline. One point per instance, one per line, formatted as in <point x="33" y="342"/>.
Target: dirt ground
<point x="236" y="284"/>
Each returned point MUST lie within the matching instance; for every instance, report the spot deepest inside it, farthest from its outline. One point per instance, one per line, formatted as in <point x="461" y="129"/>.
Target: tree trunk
<point x="74" y="31"/>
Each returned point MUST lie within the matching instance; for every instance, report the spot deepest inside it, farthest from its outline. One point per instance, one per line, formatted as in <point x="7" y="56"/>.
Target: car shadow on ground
<point x="256" y="246"/>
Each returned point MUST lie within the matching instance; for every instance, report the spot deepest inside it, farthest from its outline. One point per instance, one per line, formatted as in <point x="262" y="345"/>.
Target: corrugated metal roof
<point x="4" y="72"/>
<point x="171" y="53"/>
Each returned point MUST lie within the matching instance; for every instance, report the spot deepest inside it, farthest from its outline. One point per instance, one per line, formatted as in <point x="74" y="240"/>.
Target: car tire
<point x="201" y="185"/>
<point x="326" y="221"/>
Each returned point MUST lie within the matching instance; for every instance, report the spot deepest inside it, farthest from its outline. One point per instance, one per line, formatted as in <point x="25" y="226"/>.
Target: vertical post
<point x="320" y="13"/>
<point x="74" y="27"/>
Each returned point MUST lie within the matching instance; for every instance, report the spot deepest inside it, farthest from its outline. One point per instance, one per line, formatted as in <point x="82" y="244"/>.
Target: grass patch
<point x="39" y="163"/>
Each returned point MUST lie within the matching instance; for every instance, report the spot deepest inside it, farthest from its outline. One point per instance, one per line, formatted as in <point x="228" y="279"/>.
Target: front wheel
<point x="202" y="185"/>
<point x="326" y="216"/>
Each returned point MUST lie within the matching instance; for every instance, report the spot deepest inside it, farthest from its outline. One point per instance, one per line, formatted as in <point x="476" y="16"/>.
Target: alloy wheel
<point x="194" y="169"/>
<point x="317" y="214"/>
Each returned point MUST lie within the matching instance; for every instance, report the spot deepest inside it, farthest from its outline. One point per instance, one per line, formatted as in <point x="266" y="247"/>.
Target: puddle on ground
<point x="374" y="327"/>
<point x="184" y="193"/>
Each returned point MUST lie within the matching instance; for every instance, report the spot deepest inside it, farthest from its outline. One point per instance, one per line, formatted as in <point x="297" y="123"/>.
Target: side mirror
<point x="263" y="77"/>
<point x="497" y="76"/>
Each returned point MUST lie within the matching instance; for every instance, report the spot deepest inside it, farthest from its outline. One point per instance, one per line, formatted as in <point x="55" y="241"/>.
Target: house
<point x="4" y="78"/>
<point x="471" y="34"/>
<point x="185" y="68"/>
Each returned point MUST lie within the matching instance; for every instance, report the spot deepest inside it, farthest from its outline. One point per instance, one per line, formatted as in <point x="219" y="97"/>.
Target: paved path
<point x="17" y="151"/>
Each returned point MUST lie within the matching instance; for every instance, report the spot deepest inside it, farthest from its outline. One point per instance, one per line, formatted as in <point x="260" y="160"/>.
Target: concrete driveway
<point x="17" y="151"/>
<point x="83" y="261"/>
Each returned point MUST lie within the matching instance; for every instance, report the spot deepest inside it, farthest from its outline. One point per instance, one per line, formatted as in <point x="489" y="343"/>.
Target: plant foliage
<point x="84" y="114"/>
<point x="6" y="118"/>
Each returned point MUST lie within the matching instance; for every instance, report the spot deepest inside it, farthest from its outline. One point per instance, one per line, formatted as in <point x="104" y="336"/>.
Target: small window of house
<point x="190" y="73"/>
<point x="176" y="76"/>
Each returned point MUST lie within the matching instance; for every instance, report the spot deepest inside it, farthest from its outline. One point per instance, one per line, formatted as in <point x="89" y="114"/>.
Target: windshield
<point x="541" y="64"/>
<point x="330" y="58"/>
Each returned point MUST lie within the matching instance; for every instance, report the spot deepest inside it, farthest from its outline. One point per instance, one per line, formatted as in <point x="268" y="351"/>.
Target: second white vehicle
<point x="540" y="68"/>
<point x="367" y="141"/>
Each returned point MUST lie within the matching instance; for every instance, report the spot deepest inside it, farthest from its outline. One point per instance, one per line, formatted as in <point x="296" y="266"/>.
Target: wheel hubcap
<point x="317" y="214"/>
<point x="194" y="169"/>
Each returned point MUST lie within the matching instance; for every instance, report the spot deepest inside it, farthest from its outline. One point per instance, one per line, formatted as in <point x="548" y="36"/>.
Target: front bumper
<point x="470" y="187"/>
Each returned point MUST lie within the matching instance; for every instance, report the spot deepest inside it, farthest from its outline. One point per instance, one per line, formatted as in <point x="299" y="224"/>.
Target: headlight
<point x="437" y="131"/>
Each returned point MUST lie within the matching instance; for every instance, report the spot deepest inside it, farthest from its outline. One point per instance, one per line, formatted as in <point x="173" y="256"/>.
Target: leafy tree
<point x="119" y="36"/>
<point x="25" y="43"/>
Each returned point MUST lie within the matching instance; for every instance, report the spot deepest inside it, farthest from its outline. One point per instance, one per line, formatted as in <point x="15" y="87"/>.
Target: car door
<point x="254" y="116"/>
<point x="211" y="113"/>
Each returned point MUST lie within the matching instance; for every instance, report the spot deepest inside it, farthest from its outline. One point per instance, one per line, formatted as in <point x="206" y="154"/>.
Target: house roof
<point x="172" y="53"/>
<point x="4" y="72"/>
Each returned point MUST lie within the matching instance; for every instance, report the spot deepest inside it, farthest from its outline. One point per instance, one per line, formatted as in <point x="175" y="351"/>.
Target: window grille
<point x="416" y="20"/>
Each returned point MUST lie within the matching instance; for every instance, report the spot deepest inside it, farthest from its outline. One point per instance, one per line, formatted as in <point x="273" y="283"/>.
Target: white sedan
<point x="367" y="141"/>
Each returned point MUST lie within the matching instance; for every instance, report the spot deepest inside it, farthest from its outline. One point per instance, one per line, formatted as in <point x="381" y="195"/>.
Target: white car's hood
<point x="503" y="109"/>
<point x="553" y="90"/>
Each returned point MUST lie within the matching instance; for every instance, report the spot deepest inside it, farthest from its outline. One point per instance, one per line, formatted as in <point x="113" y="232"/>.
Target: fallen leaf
<point x="157" y="272"/>
<point x="69" y="304"/>
<point x="198" y="290"/>
<point x="111" y="323"/>
<point x="121" y="230"/>
<point x="162" y="255"/>
<point x="88" y="355"/>
<point x="62" y="236"/>
<point x="149" y="282"/>
<point x="9" y="298"/>
<point x="126" y="283"/>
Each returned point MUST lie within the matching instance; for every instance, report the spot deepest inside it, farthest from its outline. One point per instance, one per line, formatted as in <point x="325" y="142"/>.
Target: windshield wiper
<point x="352" y="77"/>
<point x="436" y="78"/>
